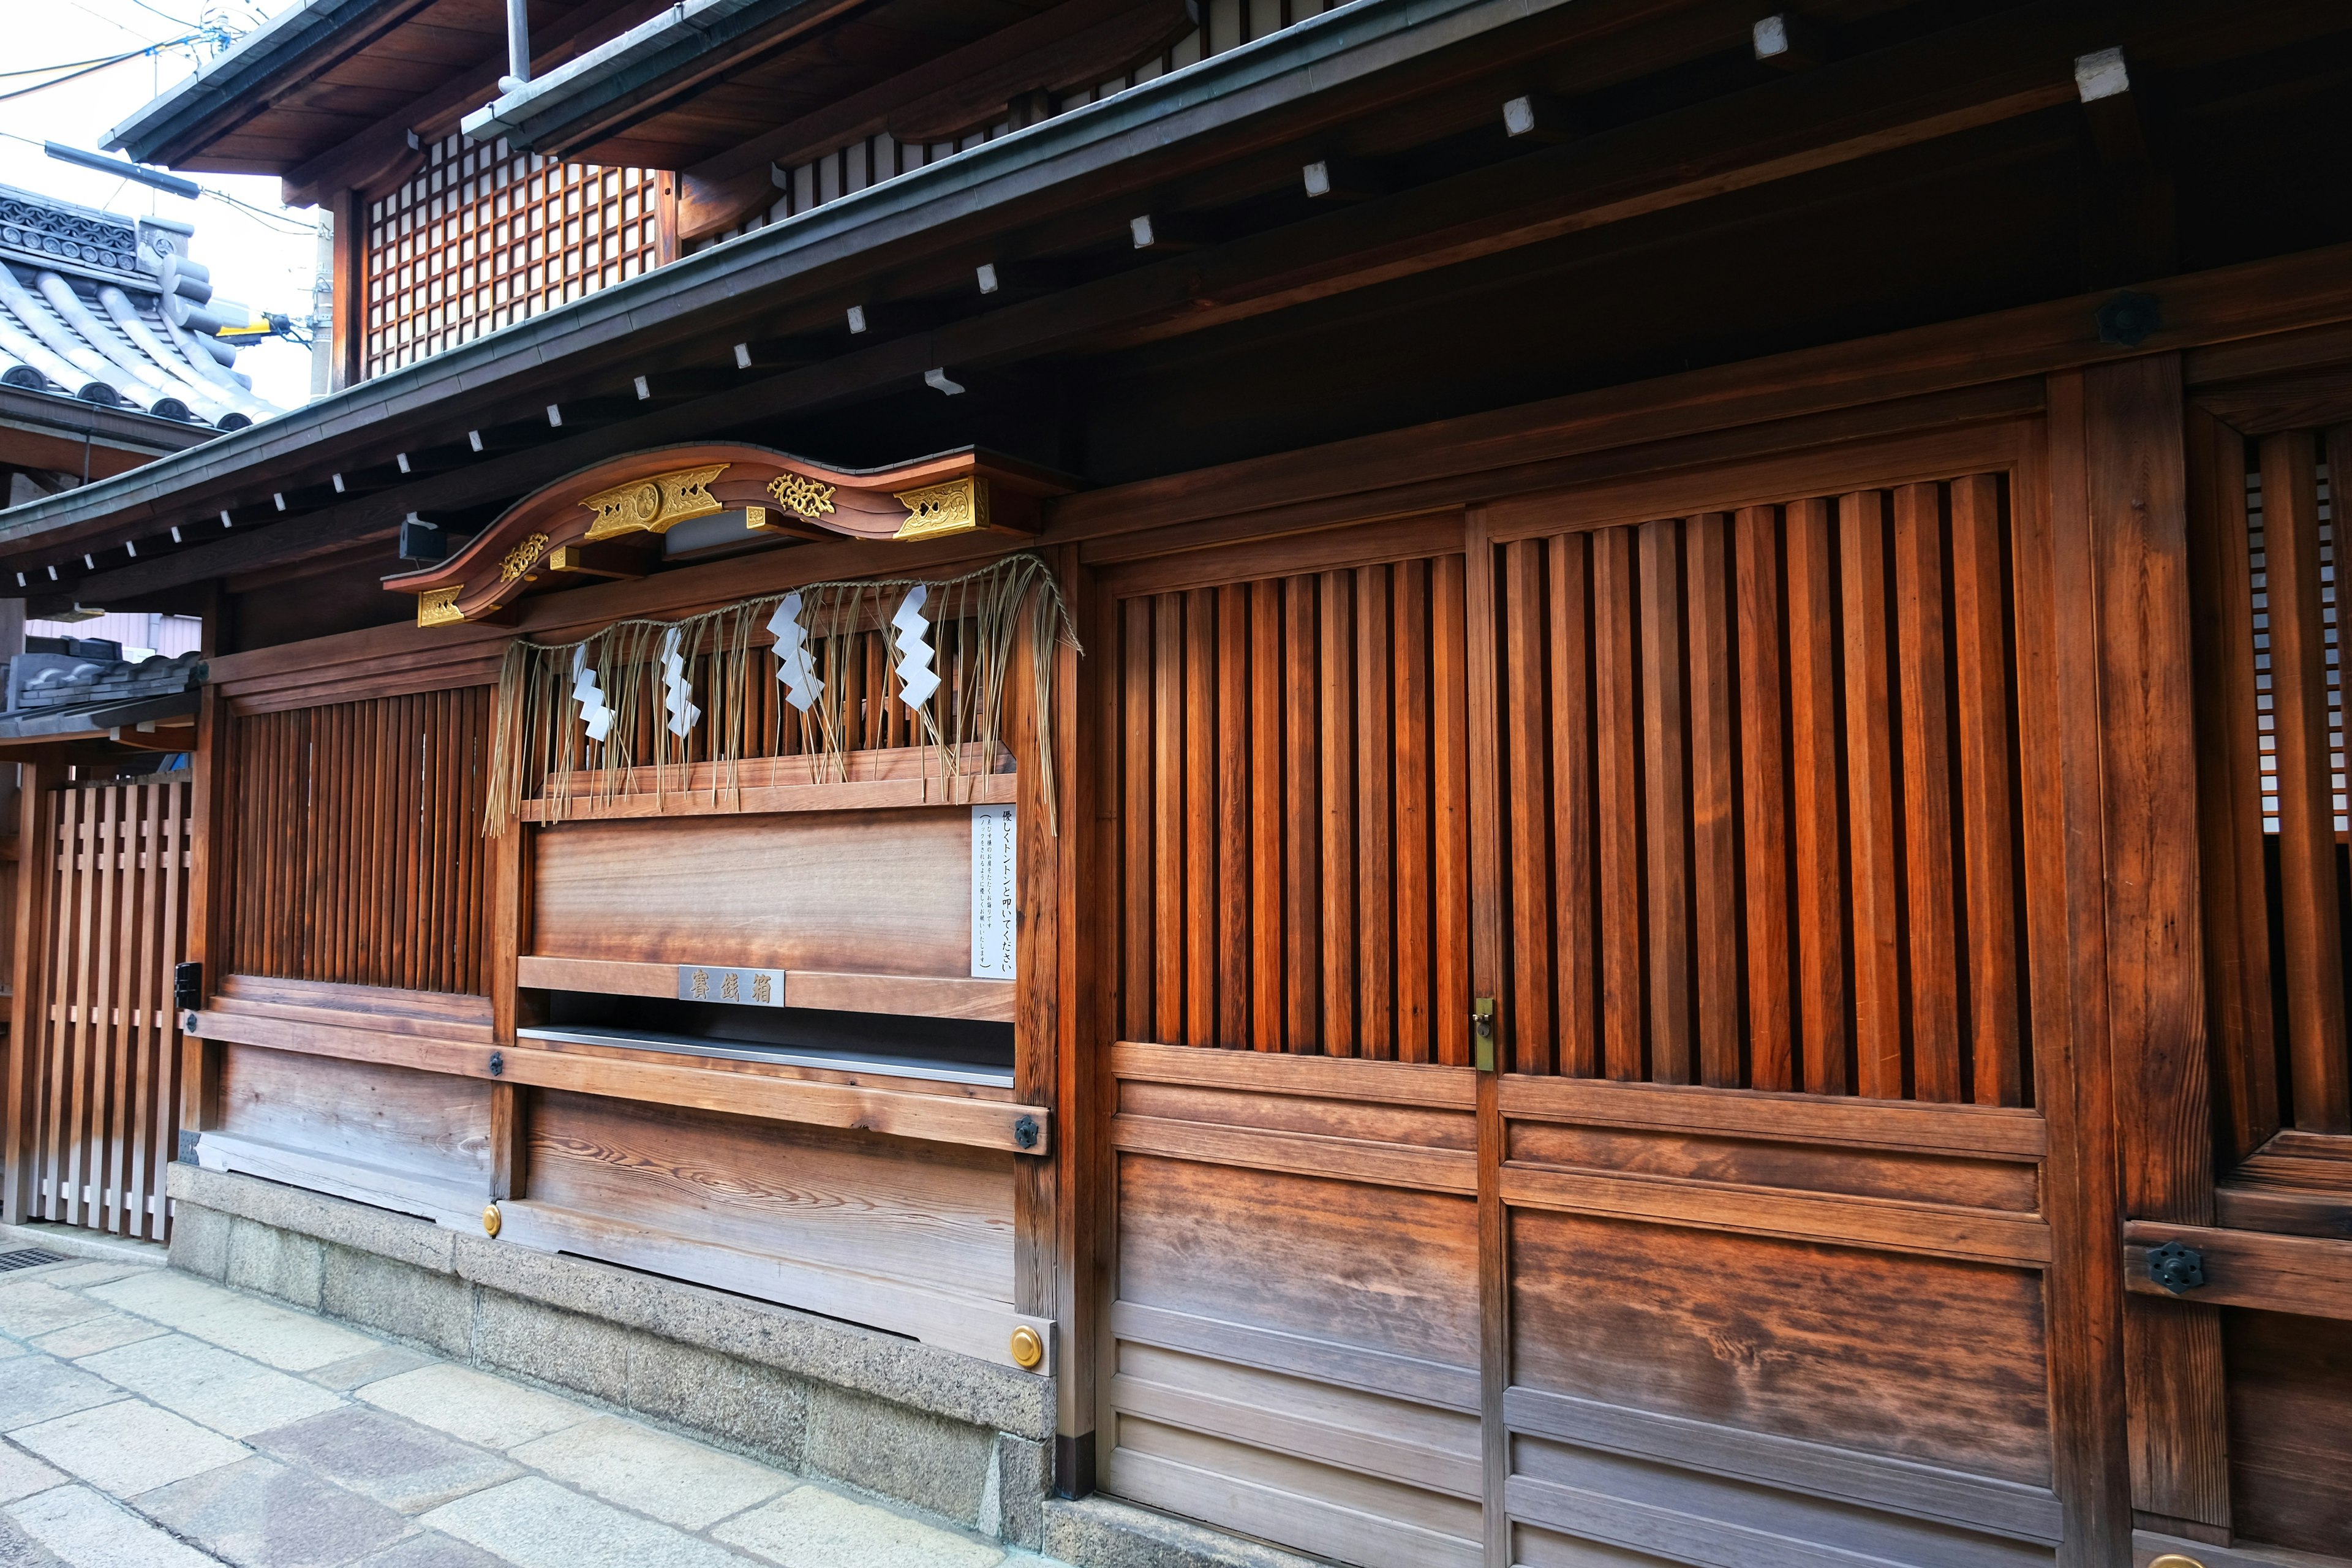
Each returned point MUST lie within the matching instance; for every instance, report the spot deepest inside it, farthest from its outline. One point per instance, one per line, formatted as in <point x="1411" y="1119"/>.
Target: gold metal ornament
<point x="958" y="506"/>
<point x="522" y="557"/>
<point x="2174" y="1560"/>
<point x="654" y="505"/>
<point x="801" y="496"/>
<point x="438" y="607"/>
<point x="1028" y="1347"/>
<point x="490" y="1220"/>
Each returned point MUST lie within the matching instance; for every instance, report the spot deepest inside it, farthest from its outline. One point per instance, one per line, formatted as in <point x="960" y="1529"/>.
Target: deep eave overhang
<point x="1341" y="46"/>
<point x="279" y="45"/>
<point x="541" y="110"/>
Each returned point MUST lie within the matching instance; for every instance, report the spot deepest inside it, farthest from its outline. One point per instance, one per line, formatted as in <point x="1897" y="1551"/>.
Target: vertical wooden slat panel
<point x="1576" y="899"/>
<point x="1375" y="872"/>
<point x="1200" y="818"/>
<point x="1337" y="712"/>
<point x="1235" y="971"/>
<point x="1409" y="601"/>
<point x="1666" y="802"/>
<point x="1617" y="799"/>
<point x="1764" y="803"/>
<point x="1168" y="814"/>
<point x="2311" y="931"/>
<point x="1267" y="947"/>
<point x="1870" y="723"/>
<point x="1715" y="902"/>
<point x="1302" y="886"/>
<point x="1449" y="750"/>
<point x="1930" y="890"/>
<point x="1140" y="970"/>
<point x="1987" y="823"/>
<point x="106" y="1059"/>
<point x="87" y="943"/>
<point x="1816" y="797"/>
<point x="1526" y="717"/>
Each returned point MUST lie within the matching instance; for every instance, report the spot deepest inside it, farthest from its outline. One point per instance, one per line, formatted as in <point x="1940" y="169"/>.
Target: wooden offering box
<point x="690" y="945"/>
<point x="760" y="1055"/>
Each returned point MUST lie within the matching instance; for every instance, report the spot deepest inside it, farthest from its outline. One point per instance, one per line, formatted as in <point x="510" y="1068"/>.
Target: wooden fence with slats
<point x="100" y="1115"/>
<point x="1295" y="855"/>
<point x="1760" y="777"/>
<point x="355" y="839"/>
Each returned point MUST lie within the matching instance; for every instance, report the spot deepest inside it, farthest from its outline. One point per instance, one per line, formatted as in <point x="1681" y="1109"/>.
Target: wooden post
<point x="27" y="1037"/>
<point x="209" y="892"/>
<point x="2058" y="658"/>
<point x="1487" y="914"/>
<point x="350" y="339"/>
<point x="2137" y="482"/>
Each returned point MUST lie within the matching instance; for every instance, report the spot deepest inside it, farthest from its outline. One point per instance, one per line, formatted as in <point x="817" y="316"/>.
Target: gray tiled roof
<point x="109" y="309"/>
<point x="65" y="694"/>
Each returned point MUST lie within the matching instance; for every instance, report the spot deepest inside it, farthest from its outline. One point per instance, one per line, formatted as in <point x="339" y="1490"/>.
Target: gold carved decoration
<point x="957" y="507"/>
<point x="522" y="557"/>
<point x="438" y="607"/>
<point x="801" y="496"/>
<point x="652" y="506"/>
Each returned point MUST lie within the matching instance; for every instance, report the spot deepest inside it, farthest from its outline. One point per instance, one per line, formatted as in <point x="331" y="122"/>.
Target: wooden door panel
<point x="1295" y="1332"/>
<point x="1925" y="1358"/>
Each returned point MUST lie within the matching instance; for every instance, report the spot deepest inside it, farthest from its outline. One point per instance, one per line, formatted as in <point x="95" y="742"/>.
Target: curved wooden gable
<point x="606" y="520"/>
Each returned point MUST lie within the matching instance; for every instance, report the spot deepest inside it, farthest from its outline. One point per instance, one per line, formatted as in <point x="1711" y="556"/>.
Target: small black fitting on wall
<point x="188" y="986"/>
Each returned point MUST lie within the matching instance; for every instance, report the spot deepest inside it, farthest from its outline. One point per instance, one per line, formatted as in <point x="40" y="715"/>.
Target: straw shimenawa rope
<point x="541" y="748"/>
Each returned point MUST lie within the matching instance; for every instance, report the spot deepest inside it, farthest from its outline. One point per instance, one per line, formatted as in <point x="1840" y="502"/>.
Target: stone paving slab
<point x="150" y="1419"/>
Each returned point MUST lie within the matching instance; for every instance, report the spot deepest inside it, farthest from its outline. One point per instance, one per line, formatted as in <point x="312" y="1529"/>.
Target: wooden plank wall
<point x="1294" y="859"/>
<point x="100" y="1107"/>
<point x="355" y="842"/>
<point x="1760" y="775"/>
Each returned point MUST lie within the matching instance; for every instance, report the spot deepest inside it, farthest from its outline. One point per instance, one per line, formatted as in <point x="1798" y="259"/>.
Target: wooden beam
<point x="2308" y="1275"/>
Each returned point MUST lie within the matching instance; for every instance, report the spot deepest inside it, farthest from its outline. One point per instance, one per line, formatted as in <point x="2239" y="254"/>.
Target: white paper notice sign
<point x="992" y="884"/>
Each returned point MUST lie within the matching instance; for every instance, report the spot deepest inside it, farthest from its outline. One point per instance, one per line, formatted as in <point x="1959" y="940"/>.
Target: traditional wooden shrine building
<point x="1467" y="781"/>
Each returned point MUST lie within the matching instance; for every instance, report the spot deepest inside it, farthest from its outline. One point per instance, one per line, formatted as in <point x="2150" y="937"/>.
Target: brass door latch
<point x="1482" y="1034"/>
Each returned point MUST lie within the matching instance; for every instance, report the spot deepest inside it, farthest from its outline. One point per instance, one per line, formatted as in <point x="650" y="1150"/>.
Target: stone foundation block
<point x="756" y="1408"/>
<point x="393" y="1298"/>
<point x="552" y="1345"/>
<point x="943" y="1466"/>
<point x="276" y="1262"/>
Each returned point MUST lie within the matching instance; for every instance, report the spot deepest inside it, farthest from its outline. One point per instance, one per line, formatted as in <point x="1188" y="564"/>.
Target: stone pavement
<point x="155" y="1420"/>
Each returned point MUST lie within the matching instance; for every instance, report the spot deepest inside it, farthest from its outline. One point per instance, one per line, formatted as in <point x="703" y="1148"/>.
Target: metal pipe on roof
<point x="518" y="45"/>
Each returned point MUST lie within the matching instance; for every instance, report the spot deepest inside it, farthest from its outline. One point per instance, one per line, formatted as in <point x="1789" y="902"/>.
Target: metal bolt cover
<point x="2178" y="1269"/>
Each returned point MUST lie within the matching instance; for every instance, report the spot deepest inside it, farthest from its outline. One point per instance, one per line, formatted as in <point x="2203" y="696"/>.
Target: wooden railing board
<point x="2308" y="1275"/>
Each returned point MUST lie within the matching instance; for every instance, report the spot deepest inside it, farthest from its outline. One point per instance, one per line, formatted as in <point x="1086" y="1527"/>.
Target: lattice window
<point x="485" y="236"/>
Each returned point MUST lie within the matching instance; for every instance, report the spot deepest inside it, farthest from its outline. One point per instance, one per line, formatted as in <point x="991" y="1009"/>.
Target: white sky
<point x="264" y="265"/>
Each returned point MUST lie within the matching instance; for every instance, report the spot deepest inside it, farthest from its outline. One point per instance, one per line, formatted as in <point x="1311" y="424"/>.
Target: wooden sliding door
<point x="1774" y="1235"/>
<point x="1716" y="794"/>
<point x="1294" y="1333"/>
<point x="94" y="1079"/>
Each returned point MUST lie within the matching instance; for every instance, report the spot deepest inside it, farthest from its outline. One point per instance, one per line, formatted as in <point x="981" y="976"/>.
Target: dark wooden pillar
<point x="2137" y="471"/>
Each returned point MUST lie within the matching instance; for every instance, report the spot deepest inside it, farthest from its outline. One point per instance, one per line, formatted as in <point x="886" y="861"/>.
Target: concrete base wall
<point x="957" y="1438"/>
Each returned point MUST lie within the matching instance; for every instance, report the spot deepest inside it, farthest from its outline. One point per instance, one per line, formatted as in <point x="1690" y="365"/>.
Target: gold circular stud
<point x="490" y="1220"/>
<point x="2174" y="1560"/>
<point x="1028" y="1347"/>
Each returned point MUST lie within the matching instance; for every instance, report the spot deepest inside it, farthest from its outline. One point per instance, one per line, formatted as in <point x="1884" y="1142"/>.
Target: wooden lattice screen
<point x="1295" y="859"/>
<point x="2272" y="805"/>
<point x="355" y="839"/>
<point x="484" y="235"/>
<point x="1761" y="774"/>
<point x="102" y="1120"/>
